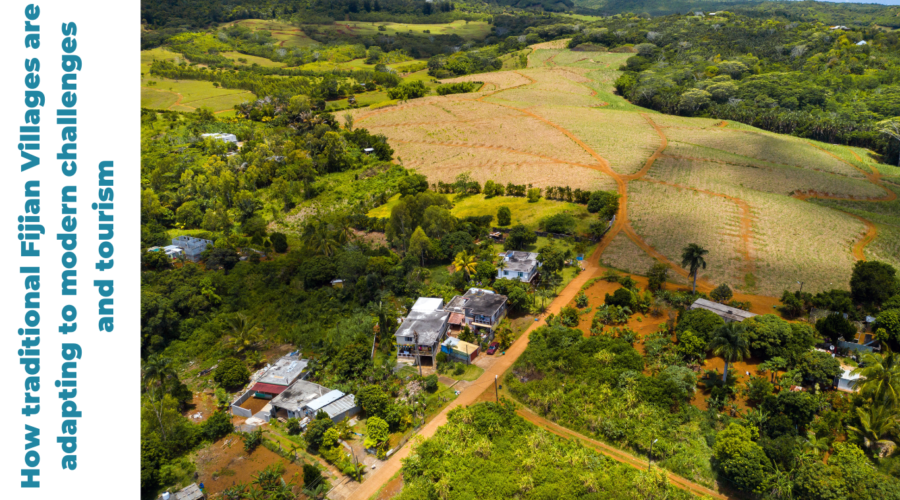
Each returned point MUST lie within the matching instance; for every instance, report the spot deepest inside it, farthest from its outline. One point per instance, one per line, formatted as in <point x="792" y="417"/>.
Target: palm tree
<point x="501" y="266"/>
<point x="157" y="371"/>
<point x="813" y="445"/>
<point x="730" y="343"/>
<point x="244" y="333"/>
<point x="320" y="240"/>
<point x="692" y="259"/>
<point x="315" y="493"/>
<point x="875" y="424"/>
<point x="254" y="359"/>
<point x="465" y="263"/>
<point x="881" y="376"/>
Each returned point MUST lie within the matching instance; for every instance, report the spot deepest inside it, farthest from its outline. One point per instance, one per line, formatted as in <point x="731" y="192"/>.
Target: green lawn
<point x="528" y="214"/>
<point x="472" y="372"/>
<point x="466" y="29"/>
<point x="262" y="61"/>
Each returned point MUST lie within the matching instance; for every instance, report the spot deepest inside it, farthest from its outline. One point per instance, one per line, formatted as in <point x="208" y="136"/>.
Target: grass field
<point x="748" y="196"/>
<point x="183" y="95"/>
<point x="288" y="36"/>
<point x="522" y="212"/>
<point x="472" y="30"/>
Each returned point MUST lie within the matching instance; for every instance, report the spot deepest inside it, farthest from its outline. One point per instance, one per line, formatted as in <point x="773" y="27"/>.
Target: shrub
<point x="569" y="316"/>
<point x="534" y="194"/>
<point x="311" y="474"/>
<point x="504" y="216"/>
<point x="519" y="237"/>
<point x="657" y="276"/>
<point x="315" y="431"/>
<point x="292" y="425"/>
<point x="721" y="293"/>
<point x="699" y="321"/>
<point x="231" y="373"/>
<point x="431" y="383"/>
<point x="279" y="242"/>
<point x="561" y="223"/>
<point x="581" y="300"/>
<point x="835" y="327"/>
<point x="456" y="88"/>
<point x="459" y="369"/>
<point x="217" y="426"/>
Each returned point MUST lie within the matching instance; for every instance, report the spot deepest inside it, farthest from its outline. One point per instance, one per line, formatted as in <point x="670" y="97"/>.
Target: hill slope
<point x="740" y="192"/>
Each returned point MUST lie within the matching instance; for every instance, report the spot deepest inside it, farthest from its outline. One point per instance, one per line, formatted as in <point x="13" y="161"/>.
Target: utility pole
<point x="496" y="393"/>
<point x="416" y="347"/>
<point x="801" y="286"/>
<point x="650" y="456"/>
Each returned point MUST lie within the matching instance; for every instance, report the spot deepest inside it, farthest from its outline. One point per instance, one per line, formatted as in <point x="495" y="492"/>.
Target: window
<point x="408" y="339"/>
<point x="505" y="273"/>
<point x="520" y="274"/>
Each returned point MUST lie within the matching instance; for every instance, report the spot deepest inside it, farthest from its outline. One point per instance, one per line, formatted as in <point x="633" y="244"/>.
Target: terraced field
<point x="772" y="209"/>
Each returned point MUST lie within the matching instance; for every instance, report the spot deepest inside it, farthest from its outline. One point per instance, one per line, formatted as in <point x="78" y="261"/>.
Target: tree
<point x="691" y="346"/>
<point x="876" y="423"/>
<point x="504" y="216"/>
<point x="533" y="195"/>
<point x="880" y="376"/>
<point x="741" y="459"/>
<point x="420" y="245"/>
<point x="519" y="237"/>
<point x="887" y="326"/>
<point x="504" y="335"/>
<point x="700" y="321"/>
<point x="377" y="433"/>
<point x="467" y="335"/>
<point x="279" y="242"/>
<point x="552" y="258"/>
<point x="311" y="475"/>
<point x="315" y="431"/>
<point x="244" y="333"/>
<point x="465" y="263"/>
<point x="721" y="293"/>
<point x="730" y="343"/>
<point x="373" y="400"/>
<point x="872" y="282"/>
<point x="231" y="373"/>
<point x="692" y="259"/>
<point x="226" y="258"/>
<point x="835" y="327"/>
<point x="693" y="100"/>
<point x="189" y="214"/>
<point x="657" y="276"/>
<point x="413" y="184"/>
<point x="818" y="367"/>
<point x="603" y="203"/>
<point x="891" y="129"/>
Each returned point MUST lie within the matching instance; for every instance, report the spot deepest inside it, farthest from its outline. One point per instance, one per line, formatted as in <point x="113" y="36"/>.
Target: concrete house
<point x="727" y="313"/>
<point x="422" y="330"/>
<point x="191" y="246"/>
<point x="305" y="399"/>
<point x="522" y="266"/>
<point x="480" y="310"/>
<point x="222" y="137"/>
<point x="846" y="381"/>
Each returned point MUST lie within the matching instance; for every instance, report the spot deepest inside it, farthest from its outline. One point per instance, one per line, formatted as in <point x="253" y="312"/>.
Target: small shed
<point x="192" y="492"/>
<point x="727" y="313"/>
<point x="369" y="151"/>
<point x="336" y="283"/>
<point x="459" y="350"/>
<point x="846" y="381"/>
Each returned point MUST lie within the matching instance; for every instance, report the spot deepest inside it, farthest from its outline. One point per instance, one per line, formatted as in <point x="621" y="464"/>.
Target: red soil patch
<point x="227" y="460"/>
<point x="203" y="402"/>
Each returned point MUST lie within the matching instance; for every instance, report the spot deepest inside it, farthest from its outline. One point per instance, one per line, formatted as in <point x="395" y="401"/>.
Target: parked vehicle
<point x="493" y="347"/>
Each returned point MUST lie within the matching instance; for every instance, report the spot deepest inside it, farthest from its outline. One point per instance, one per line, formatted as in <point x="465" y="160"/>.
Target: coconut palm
<point x="875" y="423"/>
<point x="157" y="371"/>
<point x="880" y="376"/>
<point x="465" y="263"/>
<point x="813" y="445"/>
<point x="730" y="343"/>
<point x="244" y="333"/>
<point x="692" y="259"/>
<point x="254" y="359"/>
<point x="319" y="239"/>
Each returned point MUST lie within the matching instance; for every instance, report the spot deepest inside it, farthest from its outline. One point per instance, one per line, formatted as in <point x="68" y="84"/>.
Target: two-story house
<point x="480" y="310"/>
<point x="422" y="331"/>
<point x="522" y="266"/>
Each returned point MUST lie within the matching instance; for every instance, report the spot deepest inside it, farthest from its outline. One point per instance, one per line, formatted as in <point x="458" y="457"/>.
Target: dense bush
<point x="231" y="373"/>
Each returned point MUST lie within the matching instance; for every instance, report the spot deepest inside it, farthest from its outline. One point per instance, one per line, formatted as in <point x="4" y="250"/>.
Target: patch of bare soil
<point x="225" y="463"/>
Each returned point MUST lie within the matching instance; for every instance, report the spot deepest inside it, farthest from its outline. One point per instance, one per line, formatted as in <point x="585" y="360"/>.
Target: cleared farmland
<point x="751" y="197"/>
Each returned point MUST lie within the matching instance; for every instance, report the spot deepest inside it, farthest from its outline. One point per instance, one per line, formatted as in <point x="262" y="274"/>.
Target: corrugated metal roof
<point x="457" y="318"/>
<point x="342" y="405"/>
<point x="722" y="310"/>
<point x="321" y="402"/>
<point x="268" y="388"/>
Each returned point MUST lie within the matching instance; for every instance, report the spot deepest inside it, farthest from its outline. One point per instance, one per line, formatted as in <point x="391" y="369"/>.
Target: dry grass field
<point x="754" y="199"/>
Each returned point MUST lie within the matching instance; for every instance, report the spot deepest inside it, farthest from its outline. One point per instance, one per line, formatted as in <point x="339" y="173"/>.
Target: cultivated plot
<point x="683" y="164"/>
<point x="886" y="245"/>
<point x="444" y="163"/>
<point x="670" y="218"/>
<point x="624" y="139"/>
<point x="625" y="255"/>
<point x="764" y="146"/>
